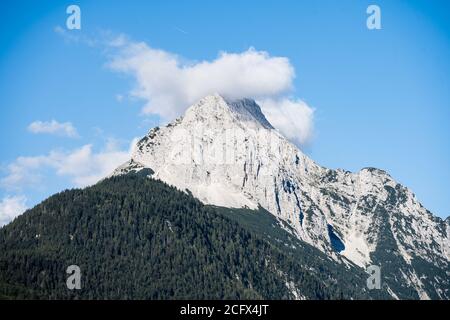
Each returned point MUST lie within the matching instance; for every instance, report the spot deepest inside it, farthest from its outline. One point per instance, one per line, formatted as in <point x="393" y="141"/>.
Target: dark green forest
<point x="138" y="238"/>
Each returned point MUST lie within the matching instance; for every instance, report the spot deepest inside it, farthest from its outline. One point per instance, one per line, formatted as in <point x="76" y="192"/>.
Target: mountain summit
<point x="226" y="153"/>
<point x="215" y="107"/>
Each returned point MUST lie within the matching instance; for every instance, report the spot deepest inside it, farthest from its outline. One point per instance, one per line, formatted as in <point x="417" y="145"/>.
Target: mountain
<point x="134" y="237"/>
<point x="226" y="153"/>
<point x="218" y="204"/>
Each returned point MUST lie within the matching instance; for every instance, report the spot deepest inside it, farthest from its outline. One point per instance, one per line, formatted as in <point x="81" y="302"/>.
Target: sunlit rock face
<point x="226" y="153"/>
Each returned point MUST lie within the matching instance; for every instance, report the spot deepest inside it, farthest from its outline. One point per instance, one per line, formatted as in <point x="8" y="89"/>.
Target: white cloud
<point x="11" y="207"/>
<point x="53" y="127"/>
<point x="82" y="166"/>
<point x="119" y="97"/>
<point x="168" y="84"/>
<point x="293" y="117"/>
<point x="74" y="37"/>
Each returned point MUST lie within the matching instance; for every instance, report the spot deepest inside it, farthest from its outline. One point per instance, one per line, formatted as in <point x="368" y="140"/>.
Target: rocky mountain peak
<point x="225" y="153"/>
<point x="216" y="108"/>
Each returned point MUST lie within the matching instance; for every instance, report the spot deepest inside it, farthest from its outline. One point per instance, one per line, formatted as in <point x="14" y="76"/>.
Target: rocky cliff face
<point x="226" y="153"/>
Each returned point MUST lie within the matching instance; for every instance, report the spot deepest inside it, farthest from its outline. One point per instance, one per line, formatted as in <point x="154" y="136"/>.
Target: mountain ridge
<point x="138" y="238"/>
<point x="230" y="157"/>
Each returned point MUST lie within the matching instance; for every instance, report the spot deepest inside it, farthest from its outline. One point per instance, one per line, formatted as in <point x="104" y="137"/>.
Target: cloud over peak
<point x="168" y="84"/>
<point x="293" y="117"/>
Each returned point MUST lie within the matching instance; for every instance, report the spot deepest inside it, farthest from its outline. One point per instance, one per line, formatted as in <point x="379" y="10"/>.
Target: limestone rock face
<point x="226" y="153"/>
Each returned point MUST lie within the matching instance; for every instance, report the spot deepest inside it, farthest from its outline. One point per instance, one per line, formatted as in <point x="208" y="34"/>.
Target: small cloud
<point x="119" y="97"/>
<point x="180" y="30"/>
<point x="83" y="166"/>
<point x="11" y="207"/>
<point x="53" y="127"/>
<point x="117" y="41"/>
<point x="59" y="30"/>
<point x="98" y="131"/>
<point x="294" y="118"/>
<point x="72" y="36"/>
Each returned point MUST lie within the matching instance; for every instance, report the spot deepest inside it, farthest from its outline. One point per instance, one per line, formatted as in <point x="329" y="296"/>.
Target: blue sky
<point x="381" y="97"/>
